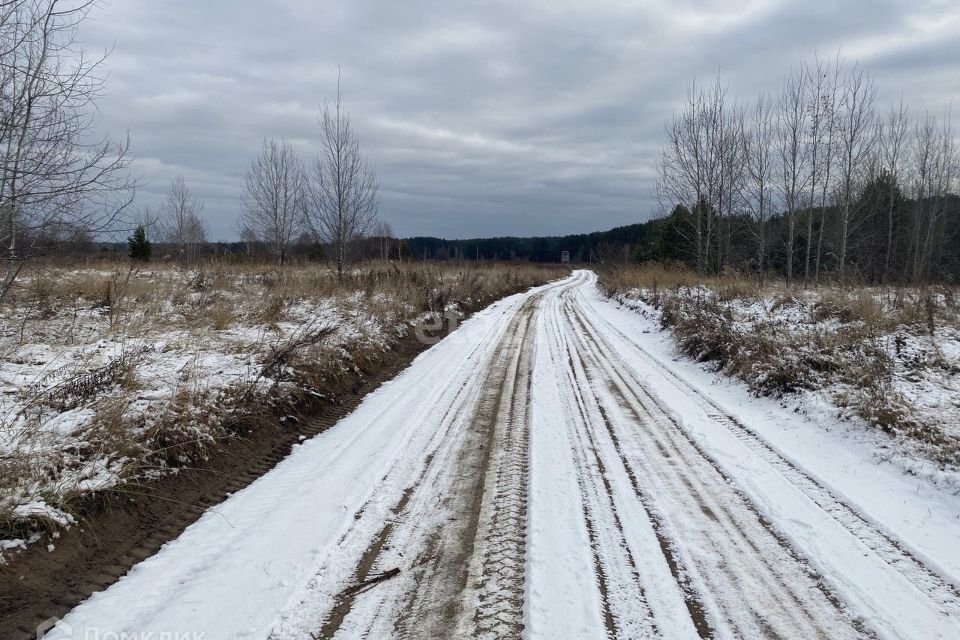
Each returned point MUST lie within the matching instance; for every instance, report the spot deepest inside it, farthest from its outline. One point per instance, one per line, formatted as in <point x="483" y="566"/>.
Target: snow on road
<point x="549" y="471"/>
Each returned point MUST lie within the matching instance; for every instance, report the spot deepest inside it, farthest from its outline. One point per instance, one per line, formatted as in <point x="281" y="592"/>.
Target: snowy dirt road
<point x="546" y="472"/>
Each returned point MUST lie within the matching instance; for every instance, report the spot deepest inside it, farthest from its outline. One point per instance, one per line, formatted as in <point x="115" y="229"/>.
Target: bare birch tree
<point x="694" y="167"/>
<point x="934" y="169"/>
<point x="383" y="232"/>
<point x="793" y="154"/>
<point x="343" y="193"/>
<point x="180" y="223"/>
<point x="819" y="89"/>
<point x="893" y="140"/>
<point x="758" y="189"/>
<point x="274" y="197"/>
<point x="681" y="171"/>
<point x="248" y="236"/>
<point x="857" y="134"/>
<point x="54" y="173"/>
<point x="732" y="173"/>
<point x="710" y="208"/>
<point x="827" y="152"/>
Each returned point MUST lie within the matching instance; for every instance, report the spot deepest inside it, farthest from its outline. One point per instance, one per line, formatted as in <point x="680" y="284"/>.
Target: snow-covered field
<point x="554" y="470"/>
<point x="880" y="359"/>
<point x="107" y="376"/>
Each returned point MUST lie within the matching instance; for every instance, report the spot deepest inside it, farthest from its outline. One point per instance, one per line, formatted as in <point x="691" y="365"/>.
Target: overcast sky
<point x="482" y="118"/>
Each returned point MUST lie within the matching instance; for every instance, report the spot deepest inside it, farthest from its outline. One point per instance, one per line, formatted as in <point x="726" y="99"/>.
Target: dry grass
<point x="126" y="295"/>
<point x="881" y="354"/>
<point x="877" y="308"/>
<point x="113" y="373"/>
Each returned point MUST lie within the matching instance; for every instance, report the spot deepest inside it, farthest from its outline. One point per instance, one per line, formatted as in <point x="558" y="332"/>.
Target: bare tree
<point x="681" y="167"/>
<point x="857" y="133"/>
<point x="758" y="189"/>
<point x="819" y="103"/>
<point x="827" y="156"/>
<point x="731" y="162"/>
<point x="180" y="223"/>
<point x="893" y="139"/>
<point x="714" y="145"/>
<point x="819" y="148"/>
<point x="248" y="236"/>
<point x="274" y="197"/>
<point x="55" y="175"/>
<point x="793" y="154"/>
<point x="343" y="194"/>
<point x="383" y="232"/>
<point x="934" y="170"/>
<point x="695" y="166"/>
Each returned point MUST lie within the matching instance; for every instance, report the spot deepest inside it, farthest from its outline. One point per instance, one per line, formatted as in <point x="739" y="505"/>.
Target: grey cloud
<point x="482" y="118"/>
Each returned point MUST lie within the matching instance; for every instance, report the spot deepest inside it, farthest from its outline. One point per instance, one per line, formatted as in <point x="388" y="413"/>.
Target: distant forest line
<point x="666" y="239"/>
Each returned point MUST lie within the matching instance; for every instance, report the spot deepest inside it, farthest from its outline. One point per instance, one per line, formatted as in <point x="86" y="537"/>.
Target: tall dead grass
<point x="214" y="303"/>
<point x="850" y="341"/>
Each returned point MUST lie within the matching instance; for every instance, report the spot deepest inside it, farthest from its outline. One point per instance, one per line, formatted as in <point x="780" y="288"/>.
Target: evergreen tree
<point x="138" y="245"/>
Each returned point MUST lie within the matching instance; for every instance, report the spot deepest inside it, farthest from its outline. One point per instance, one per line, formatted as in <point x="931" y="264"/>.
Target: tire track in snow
<point x="371" y="558"/>
<point x="494" y="599"/>
<point x="442" y="441"/>
<point x="615" y="566"/>
<point x="440" y="596"/>
<point x="402" y="529"/>
<point x="738" y="552"/>
<point x="476" y="471"/>
<point x="938" y="587"/>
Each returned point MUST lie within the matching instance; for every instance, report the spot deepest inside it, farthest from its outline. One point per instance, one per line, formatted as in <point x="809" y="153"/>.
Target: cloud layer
<point x="483" y="118"/>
